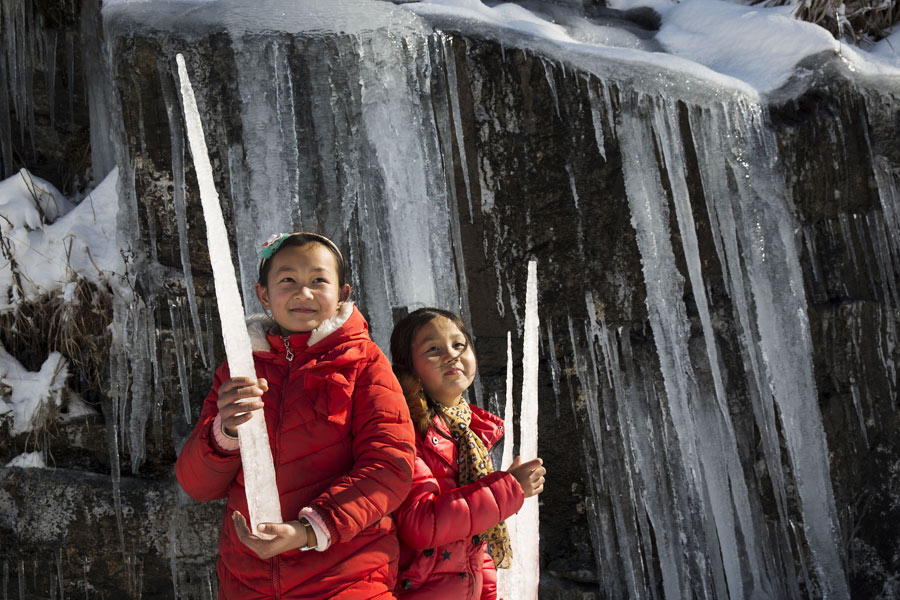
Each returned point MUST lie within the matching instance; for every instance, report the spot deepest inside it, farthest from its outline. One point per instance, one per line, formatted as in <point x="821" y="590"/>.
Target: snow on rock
<point x="888" y="49"/>
<point x="25" y="395"/>
<point x="717" y="40"/>
<point x="28" y="460"/>
<point x="757" y="45"/>
<point x="49" y="242"/>
<point x="26" y="201"/>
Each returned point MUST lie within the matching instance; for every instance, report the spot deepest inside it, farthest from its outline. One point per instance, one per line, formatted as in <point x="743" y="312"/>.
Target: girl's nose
<point x="304" y="292"/>
<point x="449" y="355"/>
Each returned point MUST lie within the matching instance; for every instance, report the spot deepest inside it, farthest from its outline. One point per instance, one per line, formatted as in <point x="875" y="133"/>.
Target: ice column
<point x="528" y="516"/>
<point x="256" y="456"/>
<point x="707" y="437"/>
<point x="520" y="581"/>
<point x="349" y="148"/>
<point x="757" y="236"/>
<point x="505" y="577"/>
<point x="509" y="437"/>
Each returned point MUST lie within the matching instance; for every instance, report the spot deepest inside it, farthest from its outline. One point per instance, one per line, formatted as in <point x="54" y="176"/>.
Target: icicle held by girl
<point x="455" y="512"/>
<point x="340" y="432"/>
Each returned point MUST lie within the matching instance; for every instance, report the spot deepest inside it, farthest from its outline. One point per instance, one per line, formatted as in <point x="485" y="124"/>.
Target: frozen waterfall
<point x="402" y="136"/>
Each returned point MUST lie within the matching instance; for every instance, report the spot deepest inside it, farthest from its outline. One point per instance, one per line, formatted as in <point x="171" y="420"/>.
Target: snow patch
<point x="25" y="394"/>
<point x="50" y="242"/>
<point x="28" y="460"/>
<point x="718" y="40"/>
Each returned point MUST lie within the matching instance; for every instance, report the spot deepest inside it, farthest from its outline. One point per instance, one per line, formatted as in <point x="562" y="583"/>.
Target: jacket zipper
<point x="289" y="355"/>
<point x="275" y="577"/>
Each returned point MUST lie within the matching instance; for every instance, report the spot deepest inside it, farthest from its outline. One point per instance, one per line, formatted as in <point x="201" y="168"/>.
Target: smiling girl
<point x="451" y="526"/>
<point x="340" y="434"/>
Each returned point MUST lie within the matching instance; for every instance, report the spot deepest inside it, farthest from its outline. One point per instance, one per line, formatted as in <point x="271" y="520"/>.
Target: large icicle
<point x="505" y="582"/>
<point x="509" y="437"/>
<point x="764" y="270"/>
<point x="256" y="455"/>
<point x="521" y="580"/>
<point x="528" y="437"/>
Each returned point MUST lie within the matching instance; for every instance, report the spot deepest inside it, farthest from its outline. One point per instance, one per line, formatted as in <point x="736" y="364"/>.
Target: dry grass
<point x="861" y="22"/>
<point x="77" y="329"/>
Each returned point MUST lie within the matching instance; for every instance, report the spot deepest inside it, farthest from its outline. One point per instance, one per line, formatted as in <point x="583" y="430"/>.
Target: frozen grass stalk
<point x="256" y="456"/>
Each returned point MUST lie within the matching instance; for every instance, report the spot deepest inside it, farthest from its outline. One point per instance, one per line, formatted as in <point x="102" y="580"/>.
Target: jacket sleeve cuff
<point x="323" y="538"/>
<point x="225" y="442"/>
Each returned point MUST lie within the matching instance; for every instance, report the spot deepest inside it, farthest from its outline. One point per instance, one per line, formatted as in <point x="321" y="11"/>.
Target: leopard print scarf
<point x="474" y="464"/>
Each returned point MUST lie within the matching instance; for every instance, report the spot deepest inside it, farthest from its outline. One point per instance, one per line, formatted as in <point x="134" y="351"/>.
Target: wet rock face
<point x="44" y="123"/>
<point x="535" y="168"/>
<point x="67" y="543"/>
<point x="844" y="199"/>
<point x="541" y="189"/>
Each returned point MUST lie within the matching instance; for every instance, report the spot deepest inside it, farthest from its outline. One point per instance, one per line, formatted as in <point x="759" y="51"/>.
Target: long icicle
<point x="506" y="584"/>
<point x="256" y="455"/>
<point x="528" y="436"/>
<point x="521" y="580"/>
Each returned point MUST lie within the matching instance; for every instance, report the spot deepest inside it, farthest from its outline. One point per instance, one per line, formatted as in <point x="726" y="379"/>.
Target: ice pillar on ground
<point x="520" y="581"/>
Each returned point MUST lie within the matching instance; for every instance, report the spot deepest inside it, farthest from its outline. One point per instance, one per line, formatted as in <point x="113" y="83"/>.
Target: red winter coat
<point x="440" y="558"/>
<point x="342" y="443"/>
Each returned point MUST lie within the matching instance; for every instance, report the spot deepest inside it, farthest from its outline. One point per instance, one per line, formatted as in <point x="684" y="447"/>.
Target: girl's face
<point x="302" y="290"/>
<point x="443" y="360"/>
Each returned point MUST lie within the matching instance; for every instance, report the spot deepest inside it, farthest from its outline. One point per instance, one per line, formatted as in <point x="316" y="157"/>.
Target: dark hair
<point x="302" y="238"/>
<point x="421" y="407"/>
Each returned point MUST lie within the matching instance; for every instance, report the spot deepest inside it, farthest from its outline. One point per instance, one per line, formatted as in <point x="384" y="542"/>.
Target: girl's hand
<point x="288" y="536"/>
<point x="530" y="475"/>
<point x="239" y="396"/>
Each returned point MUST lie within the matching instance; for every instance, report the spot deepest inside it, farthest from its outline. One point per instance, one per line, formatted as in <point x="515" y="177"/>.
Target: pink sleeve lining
<point x="323" y="539"/>
<point x="223" y="440"/>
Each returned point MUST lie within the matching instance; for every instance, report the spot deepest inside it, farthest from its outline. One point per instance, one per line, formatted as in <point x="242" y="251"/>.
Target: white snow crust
<point x="729" y="43"/>
<point x="54" y="242"/>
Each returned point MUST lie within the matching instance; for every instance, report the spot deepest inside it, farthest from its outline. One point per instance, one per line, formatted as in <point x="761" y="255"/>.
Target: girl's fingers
<point x="276" y="529"/>
<point x="248" y="388"/>
<point x="230" y="409"/>
<point x="240" y="408"/>
<point x="533" y="464"/>
<point x="236" y="383"/>
<point x="233" y="422"/>
<point x="241" y="394"/>
<point x="241" y="526"/>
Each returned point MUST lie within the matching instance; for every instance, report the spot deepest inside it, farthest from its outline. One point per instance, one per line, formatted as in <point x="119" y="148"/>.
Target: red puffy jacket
<point x="440" y="555"/>
<point x="342" y="443"/>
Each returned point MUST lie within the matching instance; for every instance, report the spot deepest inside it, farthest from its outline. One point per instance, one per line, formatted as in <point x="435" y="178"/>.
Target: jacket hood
<point x="261" y="325"/>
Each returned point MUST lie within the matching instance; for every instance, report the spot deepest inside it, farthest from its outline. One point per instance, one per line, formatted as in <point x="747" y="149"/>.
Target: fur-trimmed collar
<point x="260" y="325"/>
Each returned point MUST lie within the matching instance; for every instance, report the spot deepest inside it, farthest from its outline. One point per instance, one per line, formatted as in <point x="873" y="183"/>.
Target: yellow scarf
<point x="474" y="464"/>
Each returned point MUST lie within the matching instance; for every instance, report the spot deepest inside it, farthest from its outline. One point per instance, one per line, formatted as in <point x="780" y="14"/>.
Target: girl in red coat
<point x="341" y="438"/>
<point x="451" y="526"/>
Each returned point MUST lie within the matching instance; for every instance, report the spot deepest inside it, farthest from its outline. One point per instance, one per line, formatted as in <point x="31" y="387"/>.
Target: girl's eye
<point x="287" y="280"/>
<point x="320" y="280"/>
<point x="459" y="345"/>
